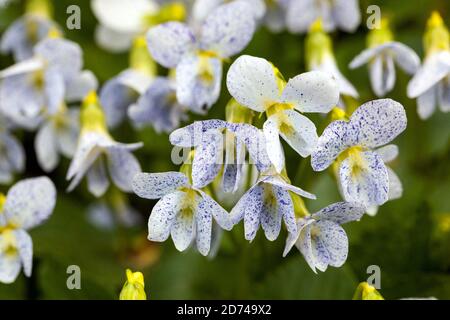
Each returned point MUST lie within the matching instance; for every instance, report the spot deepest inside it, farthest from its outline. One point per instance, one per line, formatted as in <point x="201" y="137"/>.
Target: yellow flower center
<point x="357" y="163"/>
<point x="437" y="36"/>
<point x="92" y="115"/>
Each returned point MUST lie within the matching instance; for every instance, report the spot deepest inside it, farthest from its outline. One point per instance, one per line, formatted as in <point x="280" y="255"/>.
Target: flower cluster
<point x="235" y="168"/>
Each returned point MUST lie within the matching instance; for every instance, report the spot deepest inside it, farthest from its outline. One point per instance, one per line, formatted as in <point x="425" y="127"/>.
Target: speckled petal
<point x="334" y="240"/>
<point x="122" y="167"/>
<point x="313" y="91"/>
<point x="278" y="181"/>
<point x="294" y="237"/>
<point x="192" y="135"/>
<point x="405" y="57"/>
<point x="271" y="214"/>
<point x="368" y="185"/>
<point x="221" y="216"/>
<point x="340" y="212"/>
<point x="228" y="29"/>
<point x="198" y="80"/>
<point x="14" y="151"/>
<point x="46" y="147"/>
<point x="156" y="185"/>
<point x="378" y="122"/>
<point x="203" y="221"/>
<point x="433" y="70"/>
<point x="97" y="178"/>
<point x="55" y="90"/>
<point x="382" y="75"/>
<point x="252" y="82"/>
<point x="23" y="67"/>
<point x="207" y="159"/>
<point x="304" y="245"/>
<point x="388" y="153"/>
<point x="10" y="264"/>
<point x="169" y="42"/>
<point x="329" y="66"/>
<point x="299" y="132"/>
<point x="163" y="216"/>
<point x="273" y="145"/>
<point x="331" y="143"/>
<point x="29" y="202"/>
<point x="300" y="15"/>
<point x="25" y="248"/>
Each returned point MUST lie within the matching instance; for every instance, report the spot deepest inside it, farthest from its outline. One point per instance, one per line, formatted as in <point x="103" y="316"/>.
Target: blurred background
<point x="409" y="238"/>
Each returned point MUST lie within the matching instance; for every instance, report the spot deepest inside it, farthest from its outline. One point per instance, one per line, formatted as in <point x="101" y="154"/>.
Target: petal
<point x="340" y="212"/>
<point x="249" y="208"/>
<point x="278" y="181"/>
<point x="271" y="214"/>
<point x="14" y="151"/>
<point x="67" y="135"/>
<point x="299" y="132"/>
<point x="382" y="75"/>
<point x="395" y="185"/>
<point x="204" y="230"/>
<point x="405" y="57"/>
<point x="46" y="147"/>
<point x="426" y="103"/>
<point x="443" y="93"/>
<point x="364" y="181"/>
<point x="30" y="202"/>
<point x="97" y="178"/>
<point x="183" y="229"/>
<point x="334" y="240"/>
<point x="304" y="244"/>
<point x="313" y="91"/>
<point x="25" y="248"/>
<point x="79" y="87"/>
<point x="252" y="82"/>
<point x="122" y="166"/>
<point x="10" y="265"/>
<point x="378" y="122"/>
<point x="388" y="153"/>
<point x="163" y="216"/>
<point x="121" y="16"/>
<point x="300" y="15"/>
<point x="367" y="55"/>
<point x="169" y="42"/>
<point x="273" y="145"/>
<point x="228" y="29"/>
<point x="26" y="66"/>
<point x="63" y="56"/>
<point x="433" y="70"/>
<point x="157" y="107"/>
<point x="346" y="14"/>
<point x="192" y="135"/>
<point x="198" y="80"/>
<point x="156" y="185"/>
<point x="221" y="216"/>
<point x="112" y="40"/>
<point x="201" y="9"/>
<point x="207" y="159"/>
<point x="345" y="87"/>
<point x="255" y="142"/>
<point x="54" y="90"/>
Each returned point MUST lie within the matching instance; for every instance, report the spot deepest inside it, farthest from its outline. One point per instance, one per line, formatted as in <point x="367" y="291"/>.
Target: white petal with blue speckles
<point x="221" y="216"/>
<point x="334" y="241"/>
<point x="228" y="29"/>
<point x="122" y="167"/>
<point x="340" y="212"/>
<point x="203" y="221"/>
<point x="156" y="185"/>
<point x="388" y="153"/>
<point x="278" y="181"/>
<point x="252" y="82"/>
<point x="312" y="91"/>
<point x="169" y="42"/>
<point x="46" y="147"/>
<point x="97" y="178"/>
<point x="207" y="159"/>
<point x="273" y="145"/>
<point x="192" y="135"/>
<point x="366" y="180"/>
<point x="25" y="249"/>
<point x="10" y="264"/>
<point x="183" y="230"/>
<point x="29" y="202"/>
<point x="395" y="185"/>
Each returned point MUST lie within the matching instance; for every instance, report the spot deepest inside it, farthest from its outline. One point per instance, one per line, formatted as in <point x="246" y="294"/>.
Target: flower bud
<point x="133" y="289"/>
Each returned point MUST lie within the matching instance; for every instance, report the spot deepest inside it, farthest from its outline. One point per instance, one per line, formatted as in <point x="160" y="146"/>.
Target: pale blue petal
<point x="334" y="240"/>
<point x="203" y="221"/>
<point x="156" y="185"/>
<point x="192" y="135"/>
<point x="221" y="216"/>
<point x="169" y="42"/>
<point x="46" y="147"/>
<point x="208" y="159"/>
<point x="25" y="248"/>
<point x="122" y="167"/>
<point x="388" y="153"/>
<point x="346" y="14"/>
<point x="97" y="178"/>
<point x="228" y="29"/>
<point x="183" y="231"/>
<point x="340" y="212"/>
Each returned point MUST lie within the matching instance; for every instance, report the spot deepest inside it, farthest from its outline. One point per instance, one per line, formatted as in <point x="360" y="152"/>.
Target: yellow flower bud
<point x="365" y="291"/>
<point x="437" y="37"/>
<point x="133" y="289"/>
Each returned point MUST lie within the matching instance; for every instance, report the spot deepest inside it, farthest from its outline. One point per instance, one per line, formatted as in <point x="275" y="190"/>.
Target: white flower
<point x="361" y="172"/>
<point x="320" y="237"/>
<point x="96" y="149"/>
<point x="208" y="139"/>
<point x="431" y="83"/>
<point x="381" y="55"/>
<point x="257" y="85"/>
<point x="12" y="153"/>
<point x="39" y="85"/>
<point x="183" y="211"/>
<point x="28" y="204"/>
<point x="336" y="14"/>
<point x="267" y="203"/>
<point x="319" y="56"/>
<point x="198" y="57"/>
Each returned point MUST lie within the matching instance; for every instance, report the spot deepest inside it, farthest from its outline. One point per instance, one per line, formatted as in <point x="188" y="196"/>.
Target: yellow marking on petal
<point x="357" y="163"/>
<point x="188" y="203"/>
<point x="54" y="33"/>
<point x="437" y="36"/>
<point x="38" y="79"/>
<point x="2" y="202"/>
<point x="277" y="108"/>
<point x="8" y="244"/>
<point x="205" y="69"/>
<point x="133" y="289"/>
